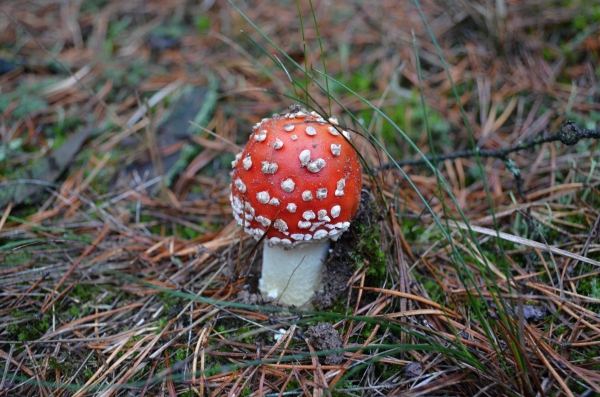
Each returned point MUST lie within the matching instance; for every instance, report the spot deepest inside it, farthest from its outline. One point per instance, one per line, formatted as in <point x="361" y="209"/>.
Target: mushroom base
<point x="292" y="275"/>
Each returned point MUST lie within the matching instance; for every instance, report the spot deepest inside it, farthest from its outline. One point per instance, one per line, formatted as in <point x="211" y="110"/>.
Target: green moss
<point x="591" y="16"/>
<point x="162" y="323"/>
<point x="117" y="27"/>
<point x="88" y="372"/>
<point x="293" y="384"/>
<point x="74" y="311"/>
<point x="29" y="99"/>
<point x="342" y="308"/>
<point x="169" y="300"/>
<point x="345" y="386"/>
<point x="202" y="23"/>
<point x="172" y="30"/>
<point x="16" y="258"/>
<point x="368" y="250"/>
<point x="547" y="54"/>
<point x="85" y="292"/>
<point x="246" y="339"/>
<point x="29" y="104"/>
<point x="560" y="330"/>
<point x="180" y="355"/>
<point x="213" y="370"/>
<point x="188" y="232"/>
<point x="577" y="388"/>
<point x="434" y="290"/>
<point x="29" y="330"/>
<point x="128" y="76"/>
<point x="591" y="288"/>
<point x="595" y="289"/>
<point x="367" y="330"/>
<point x="359" y="81"/>
<point x="385" y="371"/>
<point x="580" y="22"/>
<point x="62" y="129"/>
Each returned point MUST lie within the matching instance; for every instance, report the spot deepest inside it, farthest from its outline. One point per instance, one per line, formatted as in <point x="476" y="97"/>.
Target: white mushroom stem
<point x="292" y="275"/>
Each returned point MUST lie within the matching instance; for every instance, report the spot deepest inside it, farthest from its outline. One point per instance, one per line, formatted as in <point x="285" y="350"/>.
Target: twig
<point x="569" y="133"/>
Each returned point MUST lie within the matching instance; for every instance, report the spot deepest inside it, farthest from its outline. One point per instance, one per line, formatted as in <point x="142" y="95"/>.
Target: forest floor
<point x="124" y="273"/>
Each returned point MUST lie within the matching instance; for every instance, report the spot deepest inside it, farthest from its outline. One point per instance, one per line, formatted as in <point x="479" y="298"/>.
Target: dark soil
<point x="340" y="266"/>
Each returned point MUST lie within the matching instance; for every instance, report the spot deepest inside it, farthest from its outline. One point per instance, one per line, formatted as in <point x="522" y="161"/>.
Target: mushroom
<point x="299" y="181"/>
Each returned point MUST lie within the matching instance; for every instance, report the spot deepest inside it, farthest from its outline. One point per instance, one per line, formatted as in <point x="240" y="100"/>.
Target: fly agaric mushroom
<point x="299" y="181"/>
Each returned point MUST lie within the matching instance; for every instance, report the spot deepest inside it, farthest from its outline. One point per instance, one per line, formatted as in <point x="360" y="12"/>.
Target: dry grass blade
<point x="67" y="83"/>
<point x="526" y="242"/>
<point x="413" y="297"/>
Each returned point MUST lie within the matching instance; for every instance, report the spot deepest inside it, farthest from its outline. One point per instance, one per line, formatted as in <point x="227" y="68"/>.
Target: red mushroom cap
<point x="299" y="176"/>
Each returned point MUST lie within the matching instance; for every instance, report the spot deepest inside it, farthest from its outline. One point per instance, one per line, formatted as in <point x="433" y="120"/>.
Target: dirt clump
<point x="248" y="297"/>
<point x="324" y="337"/>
